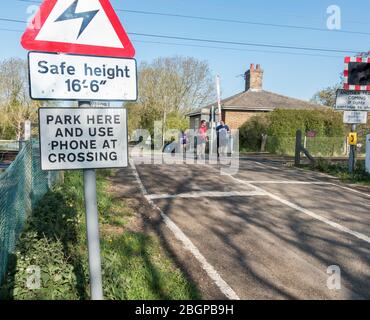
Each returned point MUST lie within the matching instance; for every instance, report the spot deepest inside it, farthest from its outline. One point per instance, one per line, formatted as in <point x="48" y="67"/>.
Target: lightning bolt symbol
<point x="70" y="14"/>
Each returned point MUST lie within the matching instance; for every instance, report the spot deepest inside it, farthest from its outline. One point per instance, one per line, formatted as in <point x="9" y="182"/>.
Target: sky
<point x="295" y="73"/>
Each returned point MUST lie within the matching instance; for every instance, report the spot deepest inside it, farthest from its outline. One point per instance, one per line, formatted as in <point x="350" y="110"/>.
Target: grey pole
<point x="212" y="133"/>
<point x="92" y="226"/>
<point x="298" y="148"/>
<point x="352" y="154"/>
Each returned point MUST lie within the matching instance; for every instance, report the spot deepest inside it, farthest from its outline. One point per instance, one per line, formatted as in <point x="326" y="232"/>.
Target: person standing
<point x="202" y="140"/>
<point x="183" y="141"/>
<point x="222" y="131"/>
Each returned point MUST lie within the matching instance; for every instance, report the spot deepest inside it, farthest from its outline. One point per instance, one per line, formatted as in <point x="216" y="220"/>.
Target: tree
<point x="15" y="105"/>
<point x="170" y="87"/>
<point x="326" y="96"/>
<point x="6" y="132"/>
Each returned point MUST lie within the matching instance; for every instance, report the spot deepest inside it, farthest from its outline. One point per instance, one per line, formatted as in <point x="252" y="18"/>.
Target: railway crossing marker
<point x="354" y="97"/>
<point x="80" y="51"/>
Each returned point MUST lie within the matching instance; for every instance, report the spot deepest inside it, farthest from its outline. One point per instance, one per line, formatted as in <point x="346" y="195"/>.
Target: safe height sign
<point x="75" y="77"/>
<point x="83" y="138"/>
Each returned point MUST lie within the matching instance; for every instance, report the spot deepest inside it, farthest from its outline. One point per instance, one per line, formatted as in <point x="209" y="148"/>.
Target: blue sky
<point x="294" y="75"/>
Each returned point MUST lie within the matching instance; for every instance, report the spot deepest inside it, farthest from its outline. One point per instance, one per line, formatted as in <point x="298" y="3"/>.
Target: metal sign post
<point x="96" y="65"/>
<point x="92" y="228"/>
<point x="352" y="153"/>
<point x="85" y="139"/>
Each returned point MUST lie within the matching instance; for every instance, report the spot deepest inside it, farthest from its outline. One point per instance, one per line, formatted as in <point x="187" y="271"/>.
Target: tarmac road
<point x="267" y="232"/>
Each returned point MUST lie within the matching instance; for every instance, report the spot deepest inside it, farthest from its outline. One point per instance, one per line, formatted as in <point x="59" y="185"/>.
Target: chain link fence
<point x="22" y="185"/>
<point x="317" y="146"/>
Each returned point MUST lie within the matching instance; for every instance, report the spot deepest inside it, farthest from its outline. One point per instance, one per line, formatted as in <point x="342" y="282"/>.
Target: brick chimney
<point x="254" y="78"/>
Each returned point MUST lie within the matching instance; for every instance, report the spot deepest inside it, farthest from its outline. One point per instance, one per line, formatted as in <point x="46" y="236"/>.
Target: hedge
<point x="281" y="126"/>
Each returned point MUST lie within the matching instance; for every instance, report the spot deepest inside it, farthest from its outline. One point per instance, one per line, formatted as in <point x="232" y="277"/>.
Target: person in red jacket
<point x="202" y="139"/>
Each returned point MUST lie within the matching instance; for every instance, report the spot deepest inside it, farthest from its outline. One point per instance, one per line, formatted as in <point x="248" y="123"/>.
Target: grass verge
<point x="340" y="170"/>
<point x="54" y="242"/>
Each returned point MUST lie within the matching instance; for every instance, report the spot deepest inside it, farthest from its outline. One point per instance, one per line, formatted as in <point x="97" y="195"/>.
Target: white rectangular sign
<point x="83" y="138"/>
<point x="75" y="77"/>
<point x="353" y="100"/>
<point x="355" y="117"/>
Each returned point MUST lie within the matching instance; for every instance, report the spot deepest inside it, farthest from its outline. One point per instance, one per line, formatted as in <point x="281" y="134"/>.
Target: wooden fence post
<point x="298" y="148"/>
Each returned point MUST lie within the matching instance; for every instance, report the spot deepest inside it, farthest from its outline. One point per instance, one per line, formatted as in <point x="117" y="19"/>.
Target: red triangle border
<point x="29" y="41"/>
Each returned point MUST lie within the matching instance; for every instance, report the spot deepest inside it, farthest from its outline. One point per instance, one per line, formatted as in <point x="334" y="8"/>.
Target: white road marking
<point x="308" y="212"/>
<point x="351" y="189"/>
<point x="263" y="165"/>
<point x="318" y="173"/>
<point x="188" y="245"/>
<point x="288" y="182"/>
<point x="206" y="194"/>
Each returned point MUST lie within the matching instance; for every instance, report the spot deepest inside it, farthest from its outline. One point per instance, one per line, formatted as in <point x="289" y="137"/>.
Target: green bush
<point x="326" y="122"/>
<point x="176" y="121"/>
<point x="326" y="146"/>
<point x="49" y="241"/>
<point x="251" y="132"/>
<point x="281" y="126"/>
<point x="322" y="165"/>
<point x="280" y="145"/>
<point x="57" y="281"/>
<point x="341" y="170"/>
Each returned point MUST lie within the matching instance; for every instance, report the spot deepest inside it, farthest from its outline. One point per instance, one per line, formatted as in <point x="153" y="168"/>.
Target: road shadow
<point x="126" y="187"/>
<point x="305" y="237"/>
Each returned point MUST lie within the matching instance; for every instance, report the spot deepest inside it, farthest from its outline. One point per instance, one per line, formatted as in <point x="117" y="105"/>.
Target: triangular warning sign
<point x="88" y="27"/>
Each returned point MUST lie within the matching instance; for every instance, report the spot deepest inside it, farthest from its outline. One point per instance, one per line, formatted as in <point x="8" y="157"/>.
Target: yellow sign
<point x="352" y="138"/>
